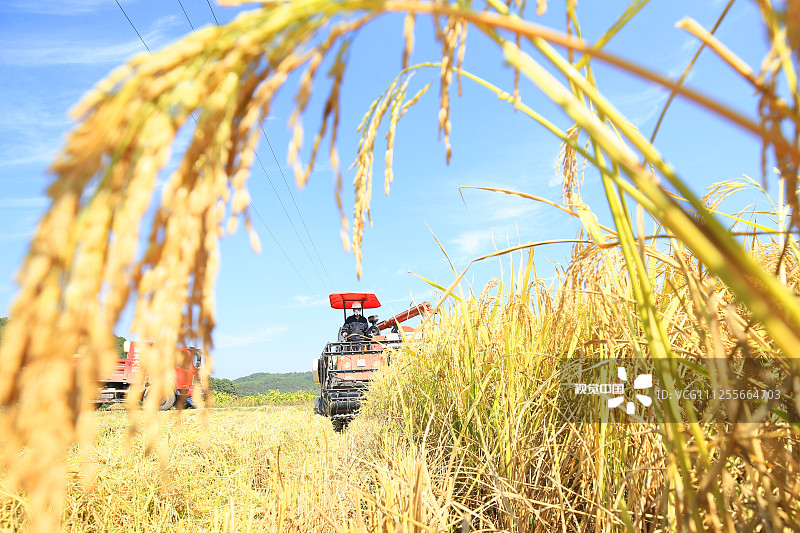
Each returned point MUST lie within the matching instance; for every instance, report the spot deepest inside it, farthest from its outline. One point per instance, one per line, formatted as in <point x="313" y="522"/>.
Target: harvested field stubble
<point x="255" y="469"/>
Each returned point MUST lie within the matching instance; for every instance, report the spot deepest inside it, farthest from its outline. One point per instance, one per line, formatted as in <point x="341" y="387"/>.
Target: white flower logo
<point x="642" y="381"/>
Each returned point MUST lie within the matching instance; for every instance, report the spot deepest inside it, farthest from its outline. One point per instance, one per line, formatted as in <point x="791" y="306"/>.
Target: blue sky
<point x="270" y="319"/>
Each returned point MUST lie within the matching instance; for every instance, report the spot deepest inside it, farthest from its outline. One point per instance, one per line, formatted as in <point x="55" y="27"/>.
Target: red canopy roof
<point x="343" y="300"/>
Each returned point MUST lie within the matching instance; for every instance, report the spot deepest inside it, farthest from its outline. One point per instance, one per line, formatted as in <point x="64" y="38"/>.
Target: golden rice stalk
<point x="449" y="40"/>
<point x="391" y="101"/>
<point x="569" y="168"/>
<point x="408" y="37"/>
<point x="516" y="96"/>
<point x="462" y="50"/>
<point x="397" y="105"/>
<point x="414" y="99"/>
<point x="85" y="264"/>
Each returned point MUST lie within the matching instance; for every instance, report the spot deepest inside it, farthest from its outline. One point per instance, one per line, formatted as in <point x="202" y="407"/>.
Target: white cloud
<point x="48" y="7"/>
<point x="679" y="57"/>
<point x="35" y="202"/>
<point x="513" y="212"/>
<point x="30" y="154"/>
<point x="33" y="121"/>
<point x="641" y="106"/>
<point x="157" y="30"/>
<point x="408" y="300"/>
<point x="501" y="208"/>
<point x="23" y="145"/>
<point x="16" y="236"/>
<point x="308" y="301"/>
<point x="225" y="340"/>
<point x="27" y="52"/>
<point x="557" y="179"/>
<point x="66" y="52"/>
<point x="473" y="242"/>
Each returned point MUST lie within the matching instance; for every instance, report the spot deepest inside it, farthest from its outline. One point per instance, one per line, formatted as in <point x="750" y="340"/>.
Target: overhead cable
<point x="195" y="120"/>
<point x="291" y="195"/>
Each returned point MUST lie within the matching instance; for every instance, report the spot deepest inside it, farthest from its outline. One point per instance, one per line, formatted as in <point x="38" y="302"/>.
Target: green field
<point x="271" y="397"/>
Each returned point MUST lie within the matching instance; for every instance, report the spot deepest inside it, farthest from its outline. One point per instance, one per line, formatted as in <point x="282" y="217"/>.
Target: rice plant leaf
<point x="590" y="222"/>
<point x="538" y="199"/>
<point x="626" y="17"/>
<point x="691" y="365"/>
<point x="434" y="285"/>
<point x="750" y="223"/>
<point x="453" y="268"/>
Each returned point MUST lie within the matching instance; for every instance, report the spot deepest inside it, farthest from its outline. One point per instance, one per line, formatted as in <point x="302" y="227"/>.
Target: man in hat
<point x="356" y="325"/>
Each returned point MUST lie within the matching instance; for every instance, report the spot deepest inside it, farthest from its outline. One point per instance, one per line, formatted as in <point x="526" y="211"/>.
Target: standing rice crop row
<point x="489" y="397"/>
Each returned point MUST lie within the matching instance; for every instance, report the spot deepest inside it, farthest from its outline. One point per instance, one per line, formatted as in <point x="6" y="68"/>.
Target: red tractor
<point x="114" y="388"/>
<point x="346" y="366"/>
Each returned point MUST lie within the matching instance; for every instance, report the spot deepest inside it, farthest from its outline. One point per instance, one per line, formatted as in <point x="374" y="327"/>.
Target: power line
<point x="212" y="12"/>
<point x="295" y="205"/>
<point x="186" y="15"/>
<point x="288" y="217"/>
<point x="291" y="195"/>
<point x="263" y="168"/>
<point x="132" y="26"/>
<point x="195" y="120"/>
<point x="279" y="246"/>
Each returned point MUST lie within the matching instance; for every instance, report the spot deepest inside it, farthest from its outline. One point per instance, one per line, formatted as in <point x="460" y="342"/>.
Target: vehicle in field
<point x="115" y="387"/>
<point x="346" y="366"/>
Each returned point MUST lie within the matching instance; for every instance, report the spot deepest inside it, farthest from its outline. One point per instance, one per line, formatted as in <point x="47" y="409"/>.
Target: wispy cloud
<point x="16" y="235"/>
<point x="33" y="155"/>
<point x="473" y="242"/>
<point x="65" y="52"/>
<point x="309" y="301"/>
<point x="35" y="202"/>
<point x="680" y="57"/>
<point x="47" y="7"/>
<point x="556" y="180"/>
<point x="34" y="118"/>
<point x="502" y="210"/>
<point x="409" y="300"/>
<point x="20" y="51"/>
<point x="32" y="124"/>
<point x="492" y="219"/>
<point x="515" y="212"/>
<point x="643" y="105"/>
<point x="226" y="340"/>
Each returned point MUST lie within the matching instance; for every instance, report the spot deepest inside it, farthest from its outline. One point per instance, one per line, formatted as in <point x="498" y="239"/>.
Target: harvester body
<point x="115" y="387"/>
<point x="346" y="366"/>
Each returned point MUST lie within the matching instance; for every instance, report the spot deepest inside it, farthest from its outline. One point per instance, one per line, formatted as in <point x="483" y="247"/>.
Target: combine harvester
<point x="115" y="387"/>
<point x="346" y="366"/>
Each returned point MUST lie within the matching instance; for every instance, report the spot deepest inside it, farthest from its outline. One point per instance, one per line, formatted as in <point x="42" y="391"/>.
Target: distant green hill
<point x="260" y="383"/>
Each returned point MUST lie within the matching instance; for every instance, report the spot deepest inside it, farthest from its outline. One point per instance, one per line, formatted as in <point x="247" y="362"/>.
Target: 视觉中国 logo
<point x="615" y="392"/>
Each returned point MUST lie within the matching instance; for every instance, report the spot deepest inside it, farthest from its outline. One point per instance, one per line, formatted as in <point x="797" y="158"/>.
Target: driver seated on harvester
<point x="355" y="326"/>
